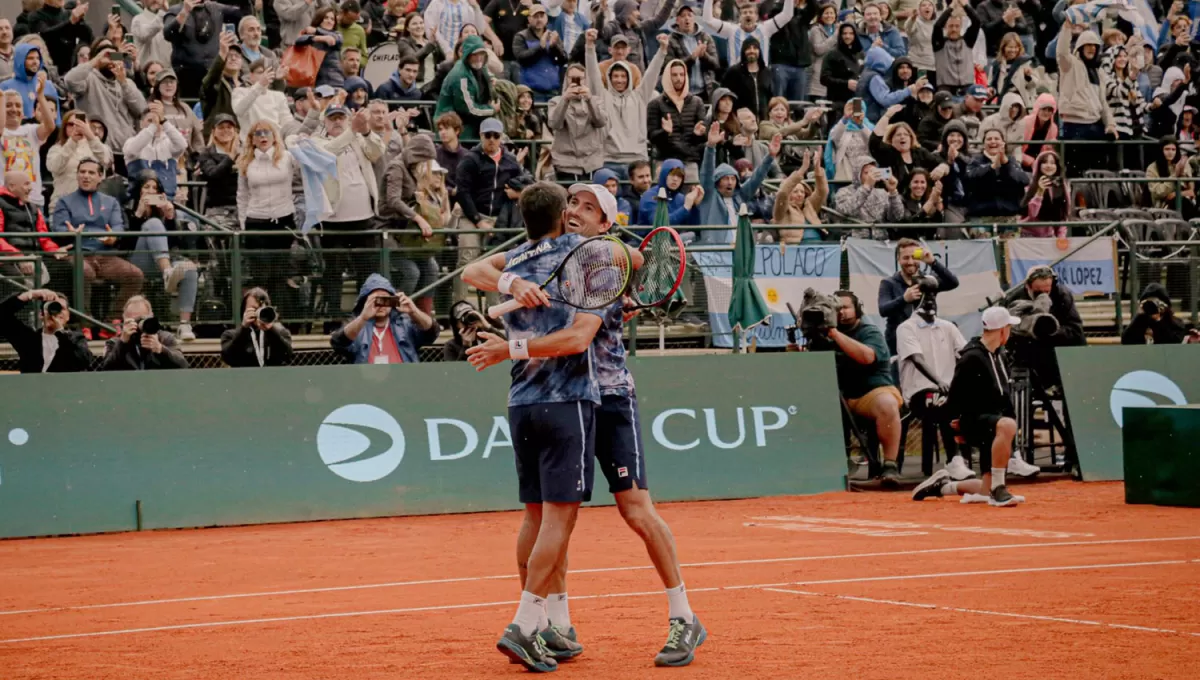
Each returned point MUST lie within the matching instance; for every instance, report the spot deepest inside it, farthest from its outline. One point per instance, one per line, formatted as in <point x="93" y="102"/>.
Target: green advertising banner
<point x="1162" y="455"/>
<point x="1100" y="382"/>
<point x="224" y="447"/>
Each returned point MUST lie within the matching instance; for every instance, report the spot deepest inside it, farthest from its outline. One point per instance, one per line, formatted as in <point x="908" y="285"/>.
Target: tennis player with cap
<point x="981" y="399"/>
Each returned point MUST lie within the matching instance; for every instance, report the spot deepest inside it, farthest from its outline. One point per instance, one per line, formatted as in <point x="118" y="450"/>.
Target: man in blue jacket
<point x="540" y="53"/>
<point x="388" y="329"/>
<point x="87" y="210"/>
<point x="402" y="86"/>
<point x="680" y="204"/>
<point x="723" y="198"/>
<point x="27" y="63"/>
<point x="873" y="31"/>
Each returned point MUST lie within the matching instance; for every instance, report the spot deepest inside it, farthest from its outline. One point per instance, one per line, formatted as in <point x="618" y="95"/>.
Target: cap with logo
<point x="491" y="125"/>
<point x="977" y="92"/>
<point x="943" y="100"/>
<point x="608" y="204"/>
<point x="996" y="318"/>
<point x="337" y="111"/>
<point x="163" y="75"/>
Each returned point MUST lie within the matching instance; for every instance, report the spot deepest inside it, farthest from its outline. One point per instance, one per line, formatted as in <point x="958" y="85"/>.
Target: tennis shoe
<point x="1001" y="498"/>
<point x="561" y="643"/>
<point x="972" y="498"/>
<point x="682" y="640"/>
<point x="958" y="469"/>
<point x="1017" y="466"/>
<point x="889" y="477"/>
<point x="932" y="487"/>
<point x="527" y="650"/>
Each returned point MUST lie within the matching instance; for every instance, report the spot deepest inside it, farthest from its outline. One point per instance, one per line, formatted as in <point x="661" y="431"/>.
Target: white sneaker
<point x="1017" y="466"/>
<point x="185" y="332"/>
<point x="969" y="498"/>
<point x="172" y="276"/>
<point x="957" y="467"/>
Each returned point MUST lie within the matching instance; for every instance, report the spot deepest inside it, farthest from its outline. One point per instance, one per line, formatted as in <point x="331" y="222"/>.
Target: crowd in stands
<point x="260" y="116"/>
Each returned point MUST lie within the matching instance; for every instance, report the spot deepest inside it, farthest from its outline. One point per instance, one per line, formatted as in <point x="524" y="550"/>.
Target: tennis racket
<point x="592" y="276"/>
<point x="662" y="272"/>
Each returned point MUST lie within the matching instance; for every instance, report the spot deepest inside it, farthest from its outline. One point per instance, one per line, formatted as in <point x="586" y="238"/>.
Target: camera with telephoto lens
<point x="54" y="308"/>
<point x="267" y="315"/>
<point x="927" y="284"/>
<point x="1152" y="306"/>
<point x="147" y="325"/>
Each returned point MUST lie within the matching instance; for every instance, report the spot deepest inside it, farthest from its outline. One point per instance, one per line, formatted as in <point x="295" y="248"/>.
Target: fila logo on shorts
<point x="622" y="472"/>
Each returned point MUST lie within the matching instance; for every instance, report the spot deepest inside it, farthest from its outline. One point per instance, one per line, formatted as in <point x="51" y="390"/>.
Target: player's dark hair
<point x="542" y="205"/>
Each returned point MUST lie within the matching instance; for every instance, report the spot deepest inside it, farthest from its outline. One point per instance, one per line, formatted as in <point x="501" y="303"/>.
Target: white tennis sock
<point x="998" y="477"/>
<point x="558" y="610"/>
<point x="678" y="603"/>
<point x="950" y="489"/>
<point x="530" y="613"/>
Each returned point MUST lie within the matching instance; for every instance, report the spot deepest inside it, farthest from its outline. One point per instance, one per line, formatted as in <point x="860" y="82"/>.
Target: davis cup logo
<point x="360" y="442"/>
<point x="1143" y="388"/>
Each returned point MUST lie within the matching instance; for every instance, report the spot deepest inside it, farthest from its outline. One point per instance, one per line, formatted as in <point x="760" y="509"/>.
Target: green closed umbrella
<point x="747" y="308"/>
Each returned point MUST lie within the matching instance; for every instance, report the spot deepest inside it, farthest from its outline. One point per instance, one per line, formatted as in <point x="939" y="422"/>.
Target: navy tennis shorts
<point x="555" y="447"/>
<point x="619" y="442"/>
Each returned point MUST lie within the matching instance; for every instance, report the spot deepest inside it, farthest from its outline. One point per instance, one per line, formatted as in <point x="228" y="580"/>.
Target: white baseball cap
<point x="608" y="204"/>
<point x="996" y="318"/>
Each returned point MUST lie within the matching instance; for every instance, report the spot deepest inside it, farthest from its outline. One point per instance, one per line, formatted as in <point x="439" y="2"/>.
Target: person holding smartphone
<point x="387" y="327"/>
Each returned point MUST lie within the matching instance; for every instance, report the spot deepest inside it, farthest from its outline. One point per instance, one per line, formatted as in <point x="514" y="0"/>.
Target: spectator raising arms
<point x="625" y="104"/>
<point x="105" y="92"/>
<point x="194" y="28"/>
<point x="467" y="89"/>
<point x="880" y="73"/>
<point x="20" y="144"/>
<point x="723" y="198"/>
<point x="76" y="141"/>
<point x="147" y="31"/>
<point x="894" y="146"/>
<point x="952" y="48"/>
<point x="224" y="76"/>
<point x="540" y="53"/>
<point x="294" y="17"/>
<point x="1082" y="104"/>
<point x="919" y="27"/>
<point x="696" y="48"/>
<point x="849" y="138"/>
<point x="748" y="26"/>
<point x="796" y="204"/>
<point x="1048" y="198"/>
<point x="578" y="120"/>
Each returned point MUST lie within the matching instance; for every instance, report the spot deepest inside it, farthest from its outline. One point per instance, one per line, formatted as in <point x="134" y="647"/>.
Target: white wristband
<point x="518" y="348"/>
<point x="506" y="282"/>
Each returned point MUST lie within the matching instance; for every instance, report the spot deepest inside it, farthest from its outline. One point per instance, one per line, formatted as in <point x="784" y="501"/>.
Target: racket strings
<point x="657" y="277"/>
<point x="593" y="275"/>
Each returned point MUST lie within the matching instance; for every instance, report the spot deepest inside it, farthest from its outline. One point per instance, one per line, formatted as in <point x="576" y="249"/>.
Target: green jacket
<point x="460" y="92"/>
<point x="354" y="36"/>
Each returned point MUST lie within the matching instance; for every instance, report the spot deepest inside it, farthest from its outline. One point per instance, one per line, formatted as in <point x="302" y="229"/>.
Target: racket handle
<point x="497" y="311"/>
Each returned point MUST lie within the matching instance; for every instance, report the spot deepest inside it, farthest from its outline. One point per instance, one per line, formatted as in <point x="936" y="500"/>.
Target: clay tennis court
<point x="837" y="585"/>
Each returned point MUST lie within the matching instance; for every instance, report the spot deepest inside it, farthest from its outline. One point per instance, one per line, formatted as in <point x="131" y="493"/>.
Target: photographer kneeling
<point x="863" y="372"/>
<point x="55" y="349"/>
<point x="142" y="345"/>
<point x="261" y="340"/>
<point x="396" y="327"/>
<point x="1156" y="322"/>
<point x="466" y="322"/>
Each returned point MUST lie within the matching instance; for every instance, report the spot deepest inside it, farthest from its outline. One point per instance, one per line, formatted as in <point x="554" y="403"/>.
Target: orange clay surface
<point x="1073" y="584"/>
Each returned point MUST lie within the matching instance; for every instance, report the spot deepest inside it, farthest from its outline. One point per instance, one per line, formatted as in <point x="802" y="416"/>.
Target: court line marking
<point x="483" y="605"/>
<point x="598" y="570"/>
<point x="986" y="612"/>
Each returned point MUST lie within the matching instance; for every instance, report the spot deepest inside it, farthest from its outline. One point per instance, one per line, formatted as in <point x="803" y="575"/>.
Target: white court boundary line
<point x="986" y="612"/>
<point x="482" y="605"/>
<point x="598" y="570"/>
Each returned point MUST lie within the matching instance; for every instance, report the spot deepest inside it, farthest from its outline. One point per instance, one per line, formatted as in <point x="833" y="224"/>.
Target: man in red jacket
<point x="20" y="220"/>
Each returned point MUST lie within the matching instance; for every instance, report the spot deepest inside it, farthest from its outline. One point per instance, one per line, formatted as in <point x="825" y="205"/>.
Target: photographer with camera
<point x="142" y="345"/>
<point x="1041" y="298"/>
<point x="260" y="340"/>
<point x="55" y="349"/>
<point x="863" y="373"/>
<point x="466" y="322"/>
<point x="381" y="309"/>
<point x="981" y="400"/>
<point x="1156" y="322"/>
<point x="900" y="293"/>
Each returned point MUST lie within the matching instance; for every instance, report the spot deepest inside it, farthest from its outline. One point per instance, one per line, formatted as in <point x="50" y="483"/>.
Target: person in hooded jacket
<point x="1167" y="103"/>
<point x="675" y="118"/>
<point x="27" y="64"/>
<point x="1039" y="125"/>
<point x="103" y="90"/>
<point x="1081" y="102"/>
<point x="876" y="81"/>
<point x="468" y="89"/>
<point x="382" y="334"/>
<point x="695" y="48"/>
<point x="1048" y="198"/>
<point x="749" y="80"/>
<point x="1160" y="326"/>
<point x="61" y="29"/>
<point x="931" y="128"/>
<point x="723" y="114"/>
<point x="723" y="197"/>
<point x="681" y="205"/>
<point x="404" y="84"/>
<point x="841" y="67"/>
<point x="1009" y="119"/>
<point x="611" y="181"/>
<point x="625" y="104"/>
<point x="952" y="175"/>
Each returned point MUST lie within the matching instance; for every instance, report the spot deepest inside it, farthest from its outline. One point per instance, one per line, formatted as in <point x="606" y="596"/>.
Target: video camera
<point x="818" y="314"/>
<point x="1037" y="323"/>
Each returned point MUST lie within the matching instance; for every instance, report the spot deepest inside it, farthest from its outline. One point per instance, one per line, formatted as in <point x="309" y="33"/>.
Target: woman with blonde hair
<point x="76" y="142"/>
<point x="797" y="204"/>
<point x="432" y="203"/>
<point x="264" y="203"/>
<point x="1012" y="70"/>
<point x="217" y="167"/>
